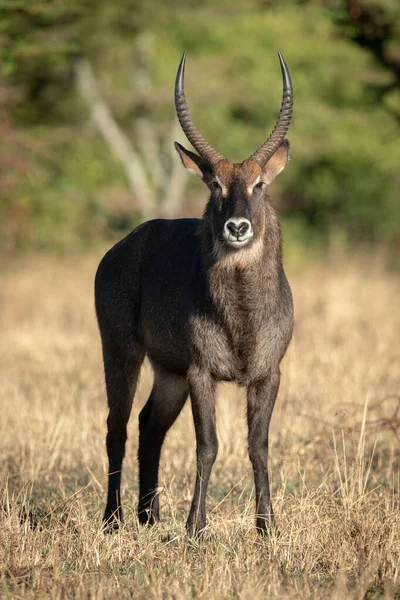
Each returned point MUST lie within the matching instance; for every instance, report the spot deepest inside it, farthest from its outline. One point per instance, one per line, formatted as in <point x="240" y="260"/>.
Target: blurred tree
<point x="156" y="177"/>
<point x="60" y="186"/>
<point x="375" y="27"/>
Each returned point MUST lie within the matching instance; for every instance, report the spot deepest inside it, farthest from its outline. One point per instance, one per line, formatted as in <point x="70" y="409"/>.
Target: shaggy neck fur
<point x="245" y="284"/>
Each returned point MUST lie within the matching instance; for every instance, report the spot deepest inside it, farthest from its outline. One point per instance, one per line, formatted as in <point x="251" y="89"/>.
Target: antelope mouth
<point x="235" y="243"/>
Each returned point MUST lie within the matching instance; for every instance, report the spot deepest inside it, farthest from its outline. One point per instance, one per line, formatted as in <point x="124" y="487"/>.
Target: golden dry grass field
<point x="334" y="453"/>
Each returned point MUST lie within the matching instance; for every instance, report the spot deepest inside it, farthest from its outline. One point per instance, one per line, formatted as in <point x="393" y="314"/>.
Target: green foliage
<point x="61" y="185"/>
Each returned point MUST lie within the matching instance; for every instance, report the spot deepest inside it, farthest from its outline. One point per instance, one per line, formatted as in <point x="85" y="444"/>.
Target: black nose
<point x="238" y="229"/>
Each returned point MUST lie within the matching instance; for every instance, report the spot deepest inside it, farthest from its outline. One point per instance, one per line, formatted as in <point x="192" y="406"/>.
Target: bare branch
<point x="176" y="183"/>
<point x="116" y="139"/>
<point x="145" y="128"/>
<point x="149" y="145"/>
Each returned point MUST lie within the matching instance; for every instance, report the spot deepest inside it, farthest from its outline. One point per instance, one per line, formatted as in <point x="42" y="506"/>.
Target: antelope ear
<point x="276" y="163"/>
<point x="194" y="163"/>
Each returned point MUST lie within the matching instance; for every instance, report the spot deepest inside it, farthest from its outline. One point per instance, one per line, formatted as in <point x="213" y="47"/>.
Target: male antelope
<point x="206" y="300"/>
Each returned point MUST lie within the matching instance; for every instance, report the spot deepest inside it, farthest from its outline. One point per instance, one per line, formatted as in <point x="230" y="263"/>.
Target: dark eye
<point x="214" y="185"/>
<point x="259" y="185"/>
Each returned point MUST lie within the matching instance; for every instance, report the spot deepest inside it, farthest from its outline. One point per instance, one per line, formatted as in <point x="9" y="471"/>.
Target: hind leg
<point x="122" y="366"/>
<point x="166" y="401"/>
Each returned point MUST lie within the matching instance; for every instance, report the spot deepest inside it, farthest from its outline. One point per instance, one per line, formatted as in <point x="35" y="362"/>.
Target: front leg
<point x="260" y="404"/>
<point x="202" y="394"/>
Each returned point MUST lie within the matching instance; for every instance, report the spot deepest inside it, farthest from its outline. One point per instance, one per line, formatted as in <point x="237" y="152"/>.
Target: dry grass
<point x="334" y="455"/>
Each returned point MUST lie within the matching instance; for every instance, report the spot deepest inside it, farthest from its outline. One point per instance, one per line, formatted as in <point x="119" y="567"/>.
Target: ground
<point x="334" y="455"/>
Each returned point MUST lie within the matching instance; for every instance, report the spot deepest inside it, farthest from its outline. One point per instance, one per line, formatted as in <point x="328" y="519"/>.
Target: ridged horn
<point x="264" y="153"/>
<point x="195" y="138"/>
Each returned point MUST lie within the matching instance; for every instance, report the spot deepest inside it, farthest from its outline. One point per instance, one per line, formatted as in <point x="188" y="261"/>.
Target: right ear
<point x="195" y="164"/>
<point x="276" y="163"/>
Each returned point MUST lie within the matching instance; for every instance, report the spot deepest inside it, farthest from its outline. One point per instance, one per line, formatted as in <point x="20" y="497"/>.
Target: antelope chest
<point x="242" y="354"/>
<point x="246" y="328"/>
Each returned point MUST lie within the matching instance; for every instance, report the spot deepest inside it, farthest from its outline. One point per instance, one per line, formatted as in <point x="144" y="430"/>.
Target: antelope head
<point x="236" y="211"/>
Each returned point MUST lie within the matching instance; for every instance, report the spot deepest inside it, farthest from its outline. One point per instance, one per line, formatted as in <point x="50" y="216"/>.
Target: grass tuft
<point x="334" y="456"/>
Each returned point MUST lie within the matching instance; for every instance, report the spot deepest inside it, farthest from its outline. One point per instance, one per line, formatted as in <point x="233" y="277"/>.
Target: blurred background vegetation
<point x="87" y="118"/>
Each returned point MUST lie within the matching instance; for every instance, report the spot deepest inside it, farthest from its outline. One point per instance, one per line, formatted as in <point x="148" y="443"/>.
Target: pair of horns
<point x="206" y="151"/>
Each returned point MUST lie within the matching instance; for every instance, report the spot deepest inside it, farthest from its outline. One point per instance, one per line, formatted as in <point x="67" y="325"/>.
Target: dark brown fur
<point x="202" y="311"/>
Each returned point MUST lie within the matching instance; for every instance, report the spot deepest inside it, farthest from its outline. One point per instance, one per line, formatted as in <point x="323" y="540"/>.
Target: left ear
<point x="195" y="164"/>
<point x="276" y="163"/>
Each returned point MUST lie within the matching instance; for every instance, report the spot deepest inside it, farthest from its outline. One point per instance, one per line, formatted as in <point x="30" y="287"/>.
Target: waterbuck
<point x="206" y="300"/>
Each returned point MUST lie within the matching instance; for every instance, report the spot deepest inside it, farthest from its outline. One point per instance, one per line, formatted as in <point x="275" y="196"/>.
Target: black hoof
<point x="267" y="528"/>
<point x="112" y="526"/>
<point x="112" y="520"/>
<point x="147" y="517"/>
<point x="195" y="531"/>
